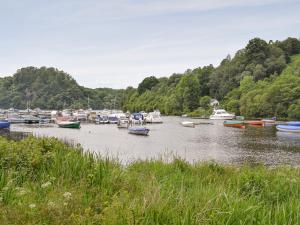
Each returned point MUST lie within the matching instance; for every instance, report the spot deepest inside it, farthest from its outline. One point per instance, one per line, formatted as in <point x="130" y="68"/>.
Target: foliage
<point x="49" y="88"/>
<point x="44" y="181"/>
<point x="239" y="82"/>
<point x="147" y="84"/>
<point x="275" y="96"/>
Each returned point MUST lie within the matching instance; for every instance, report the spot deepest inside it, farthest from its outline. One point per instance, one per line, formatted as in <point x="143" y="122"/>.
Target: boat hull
<point x="288" y="128"/>
<point x="188" y="124"/>
<point x="294" y="123"/>
<point x="266" y="121"/>
<point x="235" y="124"/>
<point x="255" y="122"/>
<point x="73" y="125"/>
<point x="138" y="131"/>
<point x="4" y="124"/>
<point x="221" y="117"/>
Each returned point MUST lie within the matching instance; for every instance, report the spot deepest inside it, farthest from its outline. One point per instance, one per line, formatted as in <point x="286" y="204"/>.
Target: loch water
<point x="205" y="142"/>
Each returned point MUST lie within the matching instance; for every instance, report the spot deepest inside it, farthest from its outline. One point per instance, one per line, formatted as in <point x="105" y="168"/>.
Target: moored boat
<point x="255" y="122"/>
<point x="31" y="119"/>
<point x="221" y="114"/>
<point x="112" y="119"/>
<point x="269" y="121"/>
<point x="69" y="124"/>
<point x="234" y="123"/>
<point x="188" y="124"/>
<point x="136" y="118"/>
<point x="138" y="130"/>
<point x="80" y="115"/>
<point x="153" y="117"/>
<point x="294" y="123"/>
<point x="101" y="119"/>
<point x="288" y="128"/>
<point x="15" y="118"/>
<point x="240" y="118"/>
<point x="123" y="123"/>
<point x="4" y="124"/>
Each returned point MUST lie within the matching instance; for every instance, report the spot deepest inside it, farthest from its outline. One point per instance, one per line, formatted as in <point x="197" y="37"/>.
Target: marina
<point x="207" y="141"/>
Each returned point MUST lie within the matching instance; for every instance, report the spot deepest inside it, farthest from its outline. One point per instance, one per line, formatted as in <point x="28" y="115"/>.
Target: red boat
<point x="234" y="123"/>
<point x="255" y="122"/>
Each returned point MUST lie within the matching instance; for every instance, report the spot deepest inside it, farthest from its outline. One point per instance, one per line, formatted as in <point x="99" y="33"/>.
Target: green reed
<point x="45" y="181"/>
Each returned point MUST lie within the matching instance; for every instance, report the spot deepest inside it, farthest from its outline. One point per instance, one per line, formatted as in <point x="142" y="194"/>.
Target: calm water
<point x="204" y="142"/>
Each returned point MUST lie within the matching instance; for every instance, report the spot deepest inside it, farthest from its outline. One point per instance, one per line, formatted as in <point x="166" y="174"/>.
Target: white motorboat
<point x="153" y="117"/>
<point x="80" y="115"/>
<point x="221" y="114"/>
<point x="123" y="123"/>
<point x="188" y="124"/>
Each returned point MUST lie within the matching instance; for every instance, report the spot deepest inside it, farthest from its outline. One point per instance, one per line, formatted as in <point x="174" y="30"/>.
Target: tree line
<point x="261" y="80"/>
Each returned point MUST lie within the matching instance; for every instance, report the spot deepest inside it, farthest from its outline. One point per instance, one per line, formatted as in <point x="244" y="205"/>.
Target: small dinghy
<point x="4" y="124"/>
<point x="234" y="123"/>
<point x="188" y="124"/>
<point x="69" y="124"/>
<point x="288" y="128"/>
<point x="138" y="130"/>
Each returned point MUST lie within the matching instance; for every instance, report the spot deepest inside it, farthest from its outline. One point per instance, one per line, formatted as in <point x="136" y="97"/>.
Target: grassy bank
<point x="44" y="181"/>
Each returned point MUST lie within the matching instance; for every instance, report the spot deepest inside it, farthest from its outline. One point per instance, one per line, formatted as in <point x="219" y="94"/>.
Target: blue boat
<point x="294" y="123"/>
<point x="138" y="130"/>
<point x="4" y="124"/>
<point x="288" y="128"/>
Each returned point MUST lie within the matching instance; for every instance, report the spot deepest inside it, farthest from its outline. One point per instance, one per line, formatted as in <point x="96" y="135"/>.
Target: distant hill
<point x="49" y="88"/>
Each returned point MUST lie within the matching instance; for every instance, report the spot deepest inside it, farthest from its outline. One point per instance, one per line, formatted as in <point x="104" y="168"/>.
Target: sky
<point x="117" y="43"/>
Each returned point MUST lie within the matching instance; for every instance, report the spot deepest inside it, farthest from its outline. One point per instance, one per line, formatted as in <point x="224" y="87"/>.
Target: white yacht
<point x="221" y="114"/>
<point x="153" y="117"/>
<point x="80" y="115"/>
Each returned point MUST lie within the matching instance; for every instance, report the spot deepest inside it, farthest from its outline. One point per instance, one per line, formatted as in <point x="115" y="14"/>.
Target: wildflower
<point x="51" y="204"/>
<point x="47" y="184"/>
<point x="32" y="206"/>
<point x="22" y="192"/>
<point x="67" y="195"/>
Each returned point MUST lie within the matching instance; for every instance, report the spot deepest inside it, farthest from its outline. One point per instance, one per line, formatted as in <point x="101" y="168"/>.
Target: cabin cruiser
<point x="80" y="115"/>
<point x="136" y="118"/>
<point x="113" y="119"/>
<point x="101" y="119"/>
<point x="67" y="113"/>
<point x="15" y="118"/>
<point x="153" y="117"/>
<point x="221" y="114"/>
<point x="143" y="113"/>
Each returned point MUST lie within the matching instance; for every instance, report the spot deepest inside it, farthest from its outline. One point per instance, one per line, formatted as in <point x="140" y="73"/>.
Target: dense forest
<point x="49" y="88"/>
<point x="261" y="80"/>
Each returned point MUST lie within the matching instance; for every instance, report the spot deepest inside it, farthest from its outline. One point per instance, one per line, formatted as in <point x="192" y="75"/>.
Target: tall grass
<point x="45" y="181"/>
